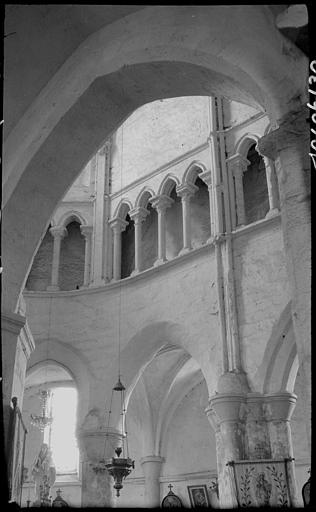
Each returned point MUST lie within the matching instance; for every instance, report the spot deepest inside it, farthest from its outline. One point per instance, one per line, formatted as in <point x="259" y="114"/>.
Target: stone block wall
<point x="40" y="275"/>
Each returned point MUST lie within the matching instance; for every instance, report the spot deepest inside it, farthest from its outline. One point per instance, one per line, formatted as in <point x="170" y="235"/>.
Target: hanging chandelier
<point x="121" y="465"/>
<point x="43" y="420"/>
<point x="118" y="467"/>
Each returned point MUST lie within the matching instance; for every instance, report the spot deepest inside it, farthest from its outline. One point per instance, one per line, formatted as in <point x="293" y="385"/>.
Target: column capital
<point x="206" y="176"/>
<point x="161" y="202"/>
<point x="237" y="164"/>
<point x="225" y="407"/>
<point x="138" y="214"/>
<point x="58" y="231"/>
<point x="118" y="224"/>
<point x="86" y="230"/>
<point x="279" y="406"/>
<point x="152" y="458"/>
<point x="292" y="129"/>
<point x="186" y="190"/>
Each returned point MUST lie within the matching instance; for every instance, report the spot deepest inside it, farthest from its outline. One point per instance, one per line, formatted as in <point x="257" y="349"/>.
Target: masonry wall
<point x="156" y="134"/>
<point x="40" y="275"/>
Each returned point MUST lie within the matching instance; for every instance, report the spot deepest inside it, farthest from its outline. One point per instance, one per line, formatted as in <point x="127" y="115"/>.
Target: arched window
<point x="72" y="256"/>
<point x="255" y="187"/>
<point x="60" y="436"/>
<point x="128" y="249"/>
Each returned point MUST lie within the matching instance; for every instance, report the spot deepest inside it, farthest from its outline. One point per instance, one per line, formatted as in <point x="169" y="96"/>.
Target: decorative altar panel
<point x="263" y="483"/>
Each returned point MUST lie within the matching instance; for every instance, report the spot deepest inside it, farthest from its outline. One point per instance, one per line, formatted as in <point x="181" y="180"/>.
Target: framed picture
<point x="198" y="496"/>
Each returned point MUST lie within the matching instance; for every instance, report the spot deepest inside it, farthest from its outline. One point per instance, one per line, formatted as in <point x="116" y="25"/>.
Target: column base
<point x="53" y="288"/>
<point x="135" y="272"/>
<point x="210" y="240"/>
<point x="272" y="213"/>
<point x="159" y="261"/>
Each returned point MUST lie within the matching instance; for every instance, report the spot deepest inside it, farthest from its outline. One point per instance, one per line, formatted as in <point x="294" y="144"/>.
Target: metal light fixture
<point x="43" y="420"/>
<point x="121" y="465"/>
<point x="118" y="467"/>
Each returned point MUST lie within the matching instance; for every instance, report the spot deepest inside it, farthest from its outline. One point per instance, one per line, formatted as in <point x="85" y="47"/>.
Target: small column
<point x="237" y="164"/>
<point x="186" y="192"/>
<point x="138" y="215"/>
<point x="161" y="203"/>
<point x="58" y="234"/>
<point x="151" y="466"/>
<point x="272" y="185"/>
<point x="118" y="225"/>
<point x="206" y="176"/>
<point x="86" y="231"/>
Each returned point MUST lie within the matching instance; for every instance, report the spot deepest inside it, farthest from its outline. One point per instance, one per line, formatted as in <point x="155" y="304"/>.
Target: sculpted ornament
<point x="44" y="475"/>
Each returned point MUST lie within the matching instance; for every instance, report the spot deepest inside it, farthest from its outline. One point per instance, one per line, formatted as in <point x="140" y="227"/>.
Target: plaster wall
<point x="158" y="300"/>
<point x="83" y="186"/>
<point x="262" y="289"/>
<point x="151" y="137"/>
<point x="236" y="113"/>
<point x="190" y="440"/>
<point x="181" y="293"/>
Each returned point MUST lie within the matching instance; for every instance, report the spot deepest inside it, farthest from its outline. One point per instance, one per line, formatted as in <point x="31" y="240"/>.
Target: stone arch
<point x="68" y="217"/>
<point x="192" y="172"/>
<point x="280" y="361"/>
<point x="147" y="343"/>
<point x="167" y="184"/>
<point x="181" y="385"/>
<point x="122" y="209"/>
<point x="244" y="144"/>
<point x="71" y="360"/>
<point x="143" y="197"/>
<point x="118" y="69"/>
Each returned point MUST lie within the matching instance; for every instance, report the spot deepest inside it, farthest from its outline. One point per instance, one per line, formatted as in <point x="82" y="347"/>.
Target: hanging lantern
<point x="44" y="420"/>
<point x="118" y="467"/>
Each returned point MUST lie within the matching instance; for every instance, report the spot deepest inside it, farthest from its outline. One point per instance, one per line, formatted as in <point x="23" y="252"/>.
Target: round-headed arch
<point x="169" y="182"/>
<point x="70" y="216"/>
<point x="192" y="172"/>
<point x="122" y="209"/>
<point x="179" y="50"/>
<point x="143" y="197"/>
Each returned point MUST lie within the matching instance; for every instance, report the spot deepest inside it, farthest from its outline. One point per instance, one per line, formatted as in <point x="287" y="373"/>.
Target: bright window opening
<point x="60" y="436"/>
